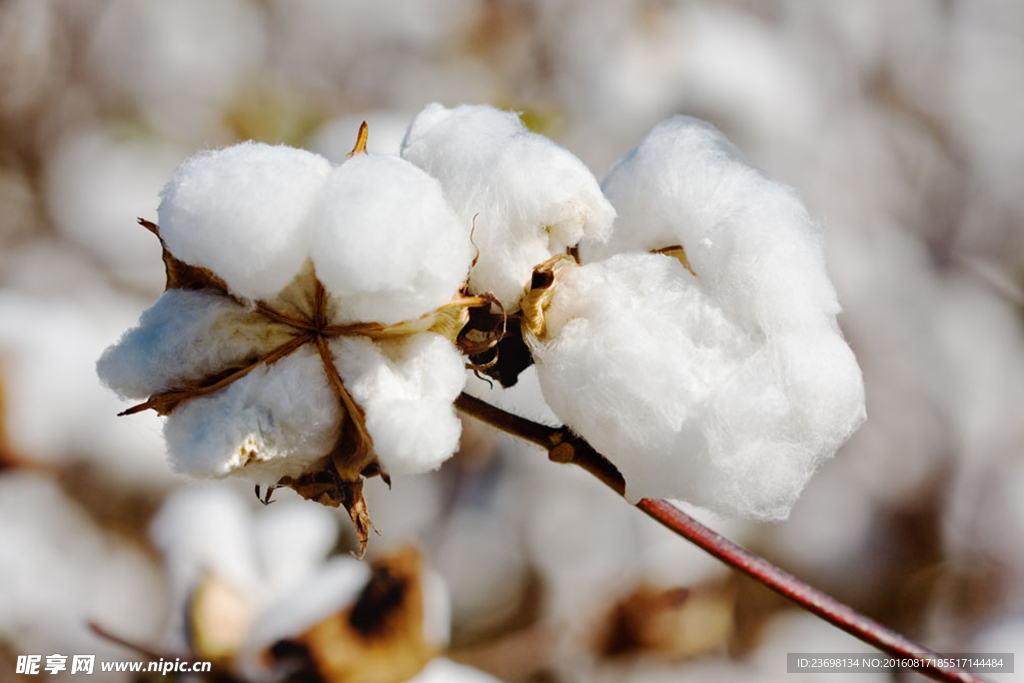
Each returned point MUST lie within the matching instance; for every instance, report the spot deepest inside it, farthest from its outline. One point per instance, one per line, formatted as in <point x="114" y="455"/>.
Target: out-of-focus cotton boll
<point x="98" y="182"/>
<point x="712" y="60"/>
<point x="798" y="631"/>
<point x="275" y="422"/>
<point x="55" y="409"/>
<point x="30" y="54"/>
<point x="985" y="507"/>
<point x="1004" y="635"/>
<point x="334" y="139"/>
<point x="889" y="286"/>
<point x="987" y="54"/>
<point x="241" y="212"/>
<point x="407" y="389"/>
<point x="531" y="199"/>
<point x="362" y="49"/>
<point x="386" y="242"/>
<point x="213" y="531"/>
<point x="178" y="62"/>
<point x="204" y="531"/>
<point x="186" y="335"/>
<point x="61" y="571"/>
<point x="446" y="671"/>
<point x="687" y="399"/>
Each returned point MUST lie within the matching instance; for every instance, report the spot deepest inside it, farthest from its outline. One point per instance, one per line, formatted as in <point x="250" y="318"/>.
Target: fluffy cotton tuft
<point x="686" y="398"/>
<point x="275" y="422"/>
<point x="749" y="239"/>
<point x="386" y="243"/>
<point x="240" y="212"/>
<point x="531" y="198"/>
<point x="186" y="336"/>
<point x="407" y="389"/>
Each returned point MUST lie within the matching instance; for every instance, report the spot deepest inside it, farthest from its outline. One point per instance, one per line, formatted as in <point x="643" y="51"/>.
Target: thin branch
<point x="565" y="447"/>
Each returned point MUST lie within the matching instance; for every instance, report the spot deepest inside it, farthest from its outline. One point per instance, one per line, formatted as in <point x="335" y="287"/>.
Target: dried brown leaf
<point x="677" y="252"/>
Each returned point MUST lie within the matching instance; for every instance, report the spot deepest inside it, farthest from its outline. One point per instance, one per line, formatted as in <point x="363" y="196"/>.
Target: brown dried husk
<point x="379" y="639"/>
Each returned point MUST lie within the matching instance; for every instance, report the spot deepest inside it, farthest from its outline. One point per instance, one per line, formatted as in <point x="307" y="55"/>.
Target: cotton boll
<point x="329" y="589"/>
<point x="531" y="198"/>
<point x="406" y="389"/>
<point x="97" y="182"/>
<point x="61" y="570"/>
<point x="687" y="401"/>
<point x="47" y="350"/>
<point x="274" y="422"/>
<point x="186" y="336"/>
<point x="197" y="55"/>
<point x="204" y="531"/>
<point x="241" y="211"/>
<point x="754" y="248"/>
<point x="446" y="671"/>
<point x="293" y="538"/>
<point x="386" y="243"/>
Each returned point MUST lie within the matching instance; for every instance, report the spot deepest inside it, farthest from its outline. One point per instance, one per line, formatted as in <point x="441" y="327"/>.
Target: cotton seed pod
<point x="306" y="335"/>
<point x="714" y="370"/>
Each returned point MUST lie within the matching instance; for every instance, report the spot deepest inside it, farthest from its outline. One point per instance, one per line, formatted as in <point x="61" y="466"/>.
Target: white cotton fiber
<point x="446" y="671"/>
<point x="753" y="246"/>
<point x="326" y="590"/>
<point x="385" y="242"/>
<point x="186" y="336"/>
<point x="688" y="397"/>
<point x="293" y="539"/>
<point x="204" y="531"/>
<point x="531" y="198"/>
<point x="240" y="212"/>
<point x="406" y="389"/>
<point x="274" y="422"/>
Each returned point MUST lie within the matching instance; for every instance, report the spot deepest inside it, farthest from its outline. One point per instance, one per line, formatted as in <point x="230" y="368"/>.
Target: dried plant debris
<point x="381" y="638"/>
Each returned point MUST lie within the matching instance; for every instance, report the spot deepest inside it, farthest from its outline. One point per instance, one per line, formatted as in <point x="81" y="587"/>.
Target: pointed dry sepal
<point x="361" y="136"/>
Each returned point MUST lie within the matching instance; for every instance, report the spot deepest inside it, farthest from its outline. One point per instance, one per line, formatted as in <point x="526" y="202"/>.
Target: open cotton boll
<point x="240" y="212"/>
<point x="531" y="198"/>
<point x="751" y="242"/>
<point x="446" y="671"/>
<point x="186" y="336"/>
<point x="406" y="389"/>
<point x="386" y="243"/>
<point x="687" y="401"/>
<point x="275" y="422"/>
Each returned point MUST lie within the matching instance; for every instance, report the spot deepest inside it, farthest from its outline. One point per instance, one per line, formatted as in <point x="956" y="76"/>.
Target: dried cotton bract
<point x="306" y="334"/>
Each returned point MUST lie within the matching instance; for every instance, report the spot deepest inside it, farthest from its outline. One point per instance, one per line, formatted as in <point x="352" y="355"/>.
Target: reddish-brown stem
<point x="563" y="446"/>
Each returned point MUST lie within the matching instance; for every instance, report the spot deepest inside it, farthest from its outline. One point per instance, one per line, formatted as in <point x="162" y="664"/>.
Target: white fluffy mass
<point x="726" y="388"/>
<point x="240" y="212"/>
<point x="387" y="244"/>
<point x="406" y="388"/>
<point x="530" y="197"/>
<point x="379" y="235"/>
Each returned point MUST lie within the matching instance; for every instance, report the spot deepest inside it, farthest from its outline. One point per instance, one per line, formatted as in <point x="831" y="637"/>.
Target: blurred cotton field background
<point x="898" y="122"/>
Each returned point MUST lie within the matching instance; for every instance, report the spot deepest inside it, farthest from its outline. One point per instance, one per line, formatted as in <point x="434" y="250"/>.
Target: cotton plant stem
<point x="565" y="447"/>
